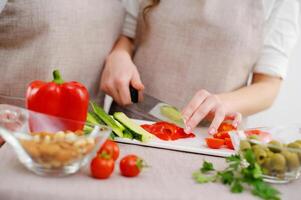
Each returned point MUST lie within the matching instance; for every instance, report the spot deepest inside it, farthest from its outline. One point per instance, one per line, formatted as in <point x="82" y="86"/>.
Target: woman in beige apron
<point x="197" y="55"/>
<point x="38" y="36"/>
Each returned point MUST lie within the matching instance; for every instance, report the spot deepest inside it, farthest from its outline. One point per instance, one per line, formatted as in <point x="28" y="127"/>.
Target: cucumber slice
<point x="92" y="118"/>
<point x="108" y="120"/>
<point x="171" y="113"/>
<point x="128" y="134"/>
<point x="138" y="132"/>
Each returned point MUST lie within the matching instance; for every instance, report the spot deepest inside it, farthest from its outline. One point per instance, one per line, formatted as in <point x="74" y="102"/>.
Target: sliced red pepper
<point x="214" y="143"/>
<point x="226" y="127"/>
<point x="167" y="131"/>
<point x="228" y="143"/>
<point x="221" y="135"/>
<point x="67" y="100"/>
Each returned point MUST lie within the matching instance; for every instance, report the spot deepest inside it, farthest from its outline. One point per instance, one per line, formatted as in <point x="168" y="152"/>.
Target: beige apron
<point x="198" y="44"/>
<point x="37" y="36"/>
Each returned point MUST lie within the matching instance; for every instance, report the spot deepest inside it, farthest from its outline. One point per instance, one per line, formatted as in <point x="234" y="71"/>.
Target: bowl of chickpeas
<point x="50" y="149"/>
<point x="280" y="156"/>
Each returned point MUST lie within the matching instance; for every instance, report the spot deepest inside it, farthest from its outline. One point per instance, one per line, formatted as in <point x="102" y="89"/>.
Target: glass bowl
<point x="49" y="145"/>
<point x="277" y="150"/>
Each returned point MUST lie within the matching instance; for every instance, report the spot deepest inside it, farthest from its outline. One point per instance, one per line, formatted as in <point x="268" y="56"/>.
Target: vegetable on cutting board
<point x="138" y="132"/>
<point x="167" y="131"/>
<point x="68" y="100"/>
<point x="221" y="138"/>
<point x="93" y="119"/>
<point x="108" y="120"/>
<point x="121" y="125"/>
<point x="171" y="113"/>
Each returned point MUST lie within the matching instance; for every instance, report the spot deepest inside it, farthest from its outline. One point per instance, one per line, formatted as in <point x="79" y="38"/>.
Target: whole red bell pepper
<point x="67" y="100"/>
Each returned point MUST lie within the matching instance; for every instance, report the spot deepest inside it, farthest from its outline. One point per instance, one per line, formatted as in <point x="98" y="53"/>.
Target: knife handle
<point x="134" y="94"/>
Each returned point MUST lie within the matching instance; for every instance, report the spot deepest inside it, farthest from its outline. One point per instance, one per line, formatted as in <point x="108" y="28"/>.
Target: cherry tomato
<point x="214" y="143"/>
<point x="111" y="148"/>
<point x="226" y="127"/>
<point x="131" y="165"/>
<point x="228" y="143"/>
<point x="221" y="135"/>
<point x="102" y="166"/>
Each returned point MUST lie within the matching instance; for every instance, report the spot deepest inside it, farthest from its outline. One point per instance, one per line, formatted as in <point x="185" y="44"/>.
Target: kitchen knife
<point x="160" y="110"/>
<point x="151" y="109"/>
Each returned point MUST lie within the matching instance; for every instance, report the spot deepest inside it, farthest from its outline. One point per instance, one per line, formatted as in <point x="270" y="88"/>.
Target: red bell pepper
<point x="68" y="100"/>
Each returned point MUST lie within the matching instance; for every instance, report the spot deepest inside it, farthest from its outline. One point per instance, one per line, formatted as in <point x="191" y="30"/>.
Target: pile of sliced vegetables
<point x="221" y="138"/>
<point x="121" y="125"/>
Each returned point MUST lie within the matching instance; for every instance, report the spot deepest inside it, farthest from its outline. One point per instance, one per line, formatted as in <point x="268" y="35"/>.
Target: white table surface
<point x="169" y="177"/>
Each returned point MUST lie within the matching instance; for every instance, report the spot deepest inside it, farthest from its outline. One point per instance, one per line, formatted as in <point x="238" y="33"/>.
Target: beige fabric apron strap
<point x="37" y="36"/>
<point x="198" y="44"/>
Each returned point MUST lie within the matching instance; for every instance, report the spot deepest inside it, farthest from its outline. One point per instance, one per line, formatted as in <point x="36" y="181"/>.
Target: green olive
<point x="269" y="153"/>
<point x="257" y="146"/>
<point x="298" y="142"/>
<point x="260" y="155"/>
<point x="294" y="145"/>
<point x="297" y="146"/>
<point x="266" y="163"/>
<point x="292" y="160"/>
<point x="244" y="145"/>
<point x="275" y="146"/>
<point x="277" y="164"/>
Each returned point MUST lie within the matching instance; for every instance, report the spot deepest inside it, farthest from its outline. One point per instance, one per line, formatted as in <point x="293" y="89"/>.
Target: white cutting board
<point x="193" y="145"/>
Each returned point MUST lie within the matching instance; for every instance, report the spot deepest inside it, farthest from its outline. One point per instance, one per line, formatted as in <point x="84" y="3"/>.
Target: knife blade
<point x="157" y="108"/>
<point x="150" y="109"/>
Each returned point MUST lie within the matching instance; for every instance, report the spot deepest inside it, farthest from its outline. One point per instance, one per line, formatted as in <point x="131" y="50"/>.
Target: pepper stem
<point x="57" y="77"/>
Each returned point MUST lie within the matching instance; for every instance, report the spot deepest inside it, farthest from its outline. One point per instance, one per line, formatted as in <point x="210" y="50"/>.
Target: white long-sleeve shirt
<point x="281" y="30"/>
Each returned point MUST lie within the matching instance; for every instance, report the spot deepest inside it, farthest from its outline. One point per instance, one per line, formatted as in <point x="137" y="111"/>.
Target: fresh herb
<point x="241" y="174"/>
<point x="207" y="166"/>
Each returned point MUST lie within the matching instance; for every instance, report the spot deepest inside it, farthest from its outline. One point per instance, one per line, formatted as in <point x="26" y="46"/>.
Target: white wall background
<point x="287" y="107"/>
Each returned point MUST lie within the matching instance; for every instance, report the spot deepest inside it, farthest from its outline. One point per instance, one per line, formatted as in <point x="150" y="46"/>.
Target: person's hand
<point x="118" y="74"/>
<point x="204" y="105"/>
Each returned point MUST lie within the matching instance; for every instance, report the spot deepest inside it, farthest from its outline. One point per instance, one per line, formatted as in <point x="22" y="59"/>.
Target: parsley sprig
<point x="242" y="173"/>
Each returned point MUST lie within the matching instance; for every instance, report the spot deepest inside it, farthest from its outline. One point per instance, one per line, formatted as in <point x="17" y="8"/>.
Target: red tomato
<point x="131" y="165"/>
<point x="102" y="166"/>
<point x="221" y="135"/>
<point x="214" y="143"/>
<point x="228" y="143"/>
<point x="226" y="127"/>
<point x="111" y="148"/>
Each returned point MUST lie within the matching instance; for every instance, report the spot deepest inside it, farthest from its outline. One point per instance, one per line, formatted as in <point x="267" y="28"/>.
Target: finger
<point x="114" y="94"/>
<point x="124" y="92"/>
<point x="195" y="102"/>
<point x="219" y="116"/>
<point x="201" y="112"/>
<point x="136" y="82"/>
<point x="237" y="118"/>
<point x="110" y="90"/>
